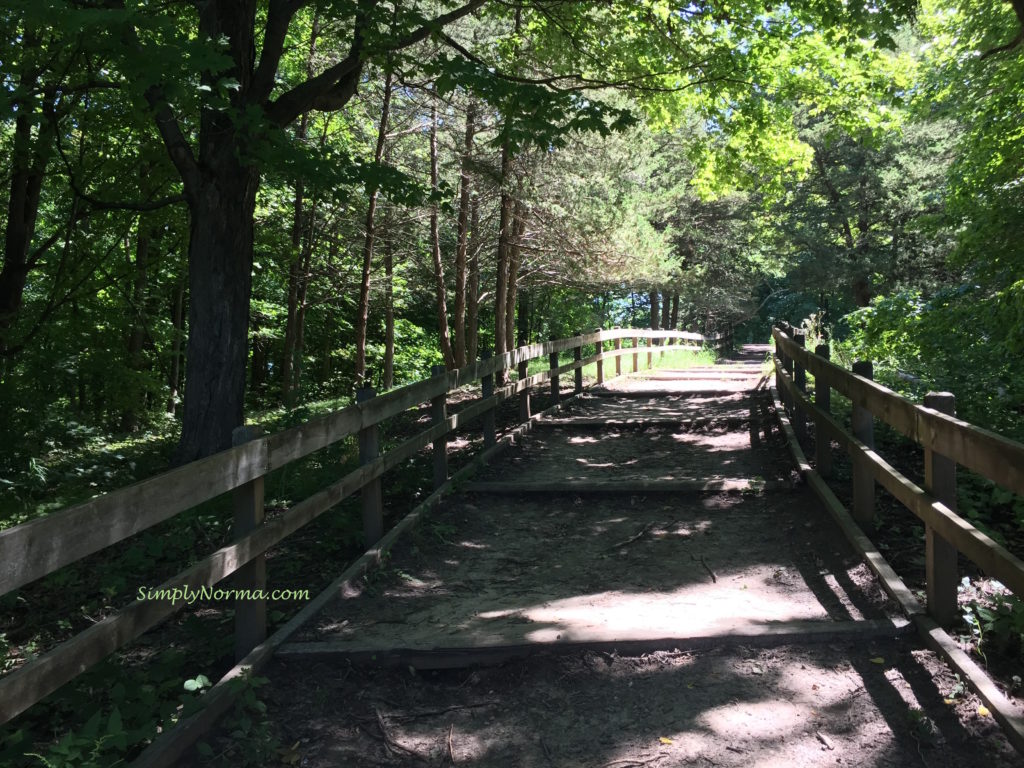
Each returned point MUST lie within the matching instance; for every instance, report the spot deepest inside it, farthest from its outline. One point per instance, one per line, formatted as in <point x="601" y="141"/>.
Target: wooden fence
<point x="42" y="546"/>
<point x="947" y="442"/>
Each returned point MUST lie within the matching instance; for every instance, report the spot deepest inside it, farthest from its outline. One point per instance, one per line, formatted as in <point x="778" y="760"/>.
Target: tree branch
<point x="279" y="18"/>
<point x="334" y="87"/>
<point x="170" y="131"/>
<point x="97" y="204"/>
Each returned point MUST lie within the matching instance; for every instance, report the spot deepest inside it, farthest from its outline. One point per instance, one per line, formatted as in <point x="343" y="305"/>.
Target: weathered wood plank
<point x="38" y="547"/>
<point x="657" y="394"/>
<point x="991" y="455"/>
<point x="676" y="485"/>
<point x="577" y="422"/>
<point x="890" y="580"/>
<point x="459" y="656"/>
<point x="988" y="554"/>
<point x="942" y="575"/>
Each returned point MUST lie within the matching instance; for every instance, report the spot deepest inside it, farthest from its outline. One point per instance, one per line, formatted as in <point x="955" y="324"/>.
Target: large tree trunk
<point x="435" y="246"/>
<point x="462" y="240"/>
<point x="674" y="317"/>
<point x="506" y="227"/>
<point x="363" y="308"/>
<point x="666" y="312"/>
<point x="655" y="313"/>
<point x="473" y="283"/>
<point x="220" y="285"/>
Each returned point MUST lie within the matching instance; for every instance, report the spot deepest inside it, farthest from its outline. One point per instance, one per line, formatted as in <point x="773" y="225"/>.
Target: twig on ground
<point x="714" y="579"/>
<point x="441" y="711"/>
<point x="633" y="538"/>
<point x="451" y="749"/>
<point x="825" y="740"/>
<point x="391" y="743"/>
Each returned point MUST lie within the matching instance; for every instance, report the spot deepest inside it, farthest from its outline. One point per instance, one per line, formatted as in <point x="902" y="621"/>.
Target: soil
<point x="843" y="704"/>
<point x="697" y="572"/>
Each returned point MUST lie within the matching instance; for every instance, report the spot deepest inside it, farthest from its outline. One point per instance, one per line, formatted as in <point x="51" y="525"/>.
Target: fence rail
<point x="946" y="440"/>
<point x="40" y="547"/>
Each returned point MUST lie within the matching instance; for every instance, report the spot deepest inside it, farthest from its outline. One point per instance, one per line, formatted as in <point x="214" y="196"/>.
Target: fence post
<point x="371" y="498"/>
<point x="775" y="365"/>
<point x="800" y="379"/>
<point x="650" y="354"/>
<point x="617" y="343"/>
<point x="823" y="399"/>
<point x="250" y="615"/>
<point x="787" y="364"/>
<point x="599" y="350"/>
<point x="438" y="414"/>
<point x="577" y="356"/>
<point x="941" y="556"/>
<point x="553" y="364"/>
<point x="864" y="429"/>
<point x="523" y="370"/>
<point x="486" y="391"/>
<point x="636" y="355"/>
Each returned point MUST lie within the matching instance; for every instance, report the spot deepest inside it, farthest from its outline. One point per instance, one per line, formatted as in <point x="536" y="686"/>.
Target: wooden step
<point x="457" y="655"/>
<point x="630" y="486"/>
<point x="641" y="422"/>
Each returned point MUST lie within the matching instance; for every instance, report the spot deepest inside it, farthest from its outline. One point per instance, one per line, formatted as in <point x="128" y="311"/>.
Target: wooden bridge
<point x="648" y="572"/>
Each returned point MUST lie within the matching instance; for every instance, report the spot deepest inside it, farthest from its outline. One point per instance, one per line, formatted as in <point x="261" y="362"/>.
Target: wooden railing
<point x="946" y="440"/>
<point x="42" y="546"/>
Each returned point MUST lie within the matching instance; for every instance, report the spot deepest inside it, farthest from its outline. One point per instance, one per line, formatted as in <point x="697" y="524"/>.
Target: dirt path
<point x="615" y="629"/>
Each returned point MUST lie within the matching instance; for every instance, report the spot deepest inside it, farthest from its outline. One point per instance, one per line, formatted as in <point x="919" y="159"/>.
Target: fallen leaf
<point x="983" y="710"/>
<point x="689" y="685"/>
<point x="948" y="701"/>
<point x="664" y="740"/>
<point x="878" y="660"/>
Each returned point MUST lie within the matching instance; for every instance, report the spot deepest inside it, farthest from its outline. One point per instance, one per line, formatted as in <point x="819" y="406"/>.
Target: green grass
<point x="680" y="359"/>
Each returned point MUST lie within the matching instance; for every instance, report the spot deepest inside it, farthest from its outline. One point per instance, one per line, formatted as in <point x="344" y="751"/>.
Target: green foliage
<point x="995" y="620"/>
<point x="251" y="740"/>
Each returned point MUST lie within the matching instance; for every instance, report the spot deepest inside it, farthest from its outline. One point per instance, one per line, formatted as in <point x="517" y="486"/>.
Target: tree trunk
<point x="300" y="333"/>
<point x="389" y="317"/>
<point x="505" y="237"/>
<point x="666" y="312"/>
<point x="258" y="374"/>
<point x="523" y="318"/>
<point x="435" y="245"/>
<point x="655" y="313"/>
<point x="137" y="334"/>
<point x="178" y="324"/>
<point x="28" y="168"/>
<point x="294" y="281"/>
<point x="514" y="262"/>
<point x="674" y="318"/>
<point x="363" y="308"/>
<point x="462" y="240"/>
<point x="473" y="284"/>
<point x="220" y="285"/>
